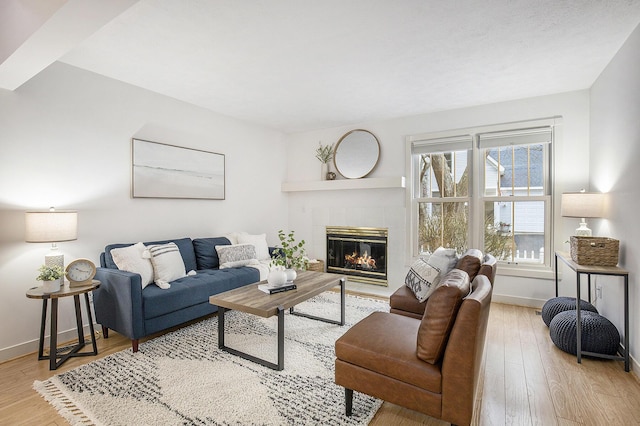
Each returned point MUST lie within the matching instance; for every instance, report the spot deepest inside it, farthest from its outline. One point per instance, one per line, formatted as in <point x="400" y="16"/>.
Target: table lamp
<point x="583" y="205"/>
<point x="52" y="227"/>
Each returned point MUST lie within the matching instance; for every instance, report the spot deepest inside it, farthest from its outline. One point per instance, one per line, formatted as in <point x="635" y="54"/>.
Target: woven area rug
<point x="182" y="378"/>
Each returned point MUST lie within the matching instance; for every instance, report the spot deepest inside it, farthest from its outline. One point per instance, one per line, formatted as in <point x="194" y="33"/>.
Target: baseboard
<point x="31" y="346"/>
<point x="518" y="301"/>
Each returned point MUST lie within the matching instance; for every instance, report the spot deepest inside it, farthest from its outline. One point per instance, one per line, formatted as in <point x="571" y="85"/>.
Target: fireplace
<point x="360" y="253"/>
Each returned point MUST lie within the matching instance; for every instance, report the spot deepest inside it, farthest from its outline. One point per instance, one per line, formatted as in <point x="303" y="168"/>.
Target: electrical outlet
<point x="599" y="292"/>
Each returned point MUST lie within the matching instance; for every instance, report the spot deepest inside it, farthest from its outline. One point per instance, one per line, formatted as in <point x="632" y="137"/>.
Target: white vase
<point x="50" y="286"/>
<point x="277" y="277"/>
<point x="291" y="275"/>
<point x="323" y="171"/>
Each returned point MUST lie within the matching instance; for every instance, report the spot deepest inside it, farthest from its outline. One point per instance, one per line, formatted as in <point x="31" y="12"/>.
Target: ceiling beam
<point x="67" y="27"/>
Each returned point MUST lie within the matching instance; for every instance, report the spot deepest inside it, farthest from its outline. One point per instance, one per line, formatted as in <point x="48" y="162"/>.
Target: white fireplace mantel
<point x="341" y="184"/>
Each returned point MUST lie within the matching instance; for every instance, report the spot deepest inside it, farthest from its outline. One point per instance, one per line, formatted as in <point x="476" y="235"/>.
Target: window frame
<point x="477" y="197"/>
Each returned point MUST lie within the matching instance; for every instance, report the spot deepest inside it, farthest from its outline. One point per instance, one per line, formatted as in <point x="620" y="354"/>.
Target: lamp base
<point x="582" y="230"/>
<point x="54" y="258"/>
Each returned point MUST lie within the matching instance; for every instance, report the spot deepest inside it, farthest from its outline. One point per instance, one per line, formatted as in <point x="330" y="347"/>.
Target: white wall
<point x="310" y="212"/>
<point x="614" y="165"/>
<point x="65" y="141"/>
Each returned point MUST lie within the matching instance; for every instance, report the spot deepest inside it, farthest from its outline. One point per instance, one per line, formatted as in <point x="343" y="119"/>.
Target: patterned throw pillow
<point x="236" y="255"/>
<point x="422" y="279"/>
<point x="167" y="263"/>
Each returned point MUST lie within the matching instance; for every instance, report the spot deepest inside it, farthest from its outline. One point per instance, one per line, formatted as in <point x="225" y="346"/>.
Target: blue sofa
<point x="121" y="304"/>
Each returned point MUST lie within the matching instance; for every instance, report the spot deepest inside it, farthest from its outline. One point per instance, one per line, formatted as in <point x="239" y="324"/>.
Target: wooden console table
<point x="596" y="270"/>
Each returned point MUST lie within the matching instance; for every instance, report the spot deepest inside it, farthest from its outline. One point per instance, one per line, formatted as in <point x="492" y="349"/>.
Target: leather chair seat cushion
<point x="386" y="343"/>
<point x="403" y="299"/>
<point x="440" y="314"/>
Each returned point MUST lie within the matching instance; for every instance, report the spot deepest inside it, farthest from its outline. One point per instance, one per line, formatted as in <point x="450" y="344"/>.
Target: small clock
<point x="80" y="272"/>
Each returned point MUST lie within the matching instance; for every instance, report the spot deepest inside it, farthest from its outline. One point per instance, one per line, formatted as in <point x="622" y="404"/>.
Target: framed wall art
<point x="168" y="171"/>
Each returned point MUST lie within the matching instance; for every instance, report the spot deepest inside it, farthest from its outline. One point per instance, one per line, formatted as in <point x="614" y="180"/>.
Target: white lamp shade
<point x="582" y="204"/>
<point x="51" y="226"/>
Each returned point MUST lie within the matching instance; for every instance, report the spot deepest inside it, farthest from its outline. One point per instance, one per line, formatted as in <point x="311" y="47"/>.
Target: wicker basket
<point x="595" y="251"/>
<point x="316" y="266"/>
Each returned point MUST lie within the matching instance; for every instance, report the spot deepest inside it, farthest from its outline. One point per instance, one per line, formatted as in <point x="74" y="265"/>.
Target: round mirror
<point x="356" y="154"/>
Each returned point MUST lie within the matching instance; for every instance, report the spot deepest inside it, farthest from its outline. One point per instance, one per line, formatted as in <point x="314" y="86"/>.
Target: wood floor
<point x="526" y="381"/>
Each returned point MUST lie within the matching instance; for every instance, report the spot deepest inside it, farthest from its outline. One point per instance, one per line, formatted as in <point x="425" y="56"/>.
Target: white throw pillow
<point x="233" y="237"/>
<point x="422" y="279"/>
<point x="167" y="263"/>
<point x="130" y="259"/>
<point x="444" y="259"/>
<point x="260" y="243"/>
<point x="236" y="255"/>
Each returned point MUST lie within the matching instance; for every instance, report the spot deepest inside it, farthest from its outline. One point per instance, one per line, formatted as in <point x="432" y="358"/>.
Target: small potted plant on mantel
<point x="50" y="277"/>
<point x="324" y="153"/>
<point x="288" y="258"/>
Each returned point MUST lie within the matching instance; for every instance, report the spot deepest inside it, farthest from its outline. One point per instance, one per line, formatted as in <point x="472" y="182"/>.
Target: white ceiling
<point x="297" y="65"/>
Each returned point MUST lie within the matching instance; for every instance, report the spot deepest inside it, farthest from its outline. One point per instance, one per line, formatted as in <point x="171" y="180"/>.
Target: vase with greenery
<point x="50" y="277"/>
<point x="324" y="153"/>
<point x="290" y="255"/>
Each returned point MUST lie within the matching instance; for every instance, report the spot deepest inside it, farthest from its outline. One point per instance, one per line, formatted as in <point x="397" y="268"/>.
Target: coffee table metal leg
<point x="279" y="366"/>
<point x="330" y="321"/>
<point x="221" y="327"/>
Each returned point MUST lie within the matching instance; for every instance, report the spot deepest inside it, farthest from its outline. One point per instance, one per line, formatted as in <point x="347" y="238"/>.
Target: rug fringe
<point x="53" y="393"/>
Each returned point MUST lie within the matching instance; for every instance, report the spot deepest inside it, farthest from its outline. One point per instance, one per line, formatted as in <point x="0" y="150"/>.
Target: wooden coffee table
<point x="252" y="300"/>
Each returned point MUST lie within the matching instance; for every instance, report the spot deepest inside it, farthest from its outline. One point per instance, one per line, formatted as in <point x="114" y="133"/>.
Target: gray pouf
<point x="560" y="304"/>
<point x="598" y="333"/>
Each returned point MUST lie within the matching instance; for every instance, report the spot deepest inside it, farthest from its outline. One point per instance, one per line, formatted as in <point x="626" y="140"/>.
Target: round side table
<point x="56" y="357"/>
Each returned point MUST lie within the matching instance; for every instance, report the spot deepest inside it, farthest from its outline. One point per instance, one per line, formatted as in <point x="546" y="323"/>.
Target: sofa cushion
<point x="422" y="279"/>
<point x="130" y="259"/>
<point x="205" y="251"/>
<point x="386" y="343"/>
<point x="470" y="262"/>
<point x="184" y="245"/>
<point x="403" y="301"/>
<point x="440" y="314"/>
<point x="193" y="290"/>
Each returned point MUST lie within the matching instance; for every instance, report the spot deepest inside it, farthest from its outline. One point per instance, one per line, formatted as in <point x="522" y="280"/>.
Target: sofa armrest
<point x="464" y="352"/>
<point x="118" y="302"/>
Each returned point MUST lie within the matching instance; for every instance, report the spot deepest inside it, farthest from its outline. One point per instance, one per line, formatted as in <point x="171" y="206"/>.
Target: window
<point x="488" y="188"/>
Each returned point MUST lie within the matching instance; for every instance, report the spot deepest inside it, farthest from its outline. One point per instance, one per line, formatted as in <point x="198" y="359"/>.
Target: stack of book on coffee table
<point x="269" y="289"/>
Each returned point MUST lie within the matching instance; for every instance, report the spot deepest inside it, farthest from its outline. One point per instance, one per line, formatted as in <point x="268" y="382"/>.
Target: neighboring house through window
<point x="486" y="187"/>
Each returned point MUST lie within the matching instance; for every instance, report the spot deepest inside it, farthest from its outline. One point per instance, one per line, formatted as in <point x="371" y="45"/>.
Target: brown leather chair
<point x="403" y="301"/>
<point x="430" y="365"/>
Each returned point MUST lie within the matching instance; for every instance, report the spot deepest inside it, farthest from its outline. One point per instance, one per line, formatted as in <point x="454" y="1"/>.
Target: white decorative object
<point x="50" y="286"/>
<point x="277" y="277"/>
<point x="291" y="274"/>
<point x="324" y="169"/>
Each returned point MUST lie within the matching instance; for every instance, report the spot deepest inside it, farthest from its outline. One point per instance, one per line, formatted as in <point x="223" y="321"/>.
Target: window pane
<point x="514" y="170"/>
<point x="443" y="224"/>
<point x="443" y="175"/>
<point x="514" y="231"/>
